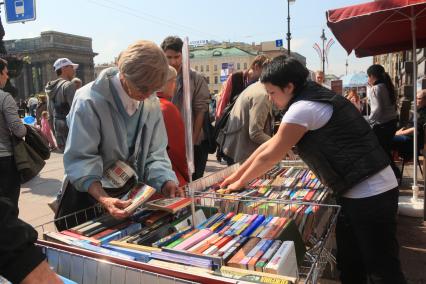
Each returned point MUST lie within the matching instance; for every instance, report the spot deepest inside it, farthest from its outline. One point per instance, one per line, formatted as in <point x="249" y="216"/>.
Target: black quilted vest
<point x="345" y="151"/>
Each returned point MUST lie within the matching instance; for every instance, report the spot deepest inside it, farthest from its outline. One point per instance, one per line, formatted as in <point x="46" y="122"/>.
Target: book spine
<point x="193" y="239"/>
<point x="268" y="255"/>
<point x="252" y="262"/>
<point x="256" y="223"/>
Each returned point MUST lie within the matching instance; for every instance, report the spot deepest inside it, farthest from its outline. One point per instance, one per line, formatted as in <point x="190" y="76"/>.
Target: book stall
<point x="276" y="230"/>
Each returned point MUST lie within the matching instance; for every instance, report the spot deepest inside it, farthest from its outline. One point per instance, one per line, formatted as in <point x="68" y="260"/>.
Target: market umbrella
<point x="382" y="27"/>
<point x="354" y="80"/>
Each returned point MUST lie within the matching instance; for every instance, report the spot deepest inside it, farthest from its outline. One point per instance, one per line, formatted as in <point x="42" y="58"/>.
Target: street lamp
<point x="288" y="25"/>
<point x="323" y="38"/>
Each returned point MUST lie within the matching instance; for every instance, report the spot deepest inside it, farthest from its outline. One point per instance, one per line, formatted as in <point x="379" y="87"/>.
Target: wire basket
<point x="318" y="242"/>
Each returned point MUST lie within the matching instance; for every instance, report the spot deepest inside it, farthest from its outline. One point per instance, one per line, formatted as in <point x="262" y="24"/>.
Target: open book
<point x="139" y="194"/>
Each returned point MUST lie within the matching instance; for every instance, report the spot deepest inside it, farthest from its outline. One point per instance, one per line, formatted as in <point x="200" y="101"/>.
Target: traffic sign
<point x="18" y="11"/>
<point x="279" y="43"/>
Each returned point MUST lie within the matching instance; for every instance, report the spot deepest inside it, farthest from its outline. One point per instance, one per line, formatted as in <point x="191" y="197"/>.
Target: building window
<point x="196" y="68"/>
<point x="215" y="67"/>
<point x="245" y="65"/>
<point x="207" y="68"/>
<point x="208" y="79"/>
<point x="201" y="68"/>
<point x="238" y="66"/>
<point x="215" y="79"/>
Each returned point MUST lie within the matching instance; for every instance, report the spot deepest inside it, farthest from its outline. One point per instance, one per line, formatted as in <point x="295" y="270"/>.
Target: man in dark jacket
<point x="61" y="93"/>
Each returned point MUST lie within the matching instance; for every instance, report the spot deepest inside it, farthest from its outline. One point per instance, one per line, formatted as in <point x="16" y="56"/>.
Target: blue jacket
<point x="97" y="137"/>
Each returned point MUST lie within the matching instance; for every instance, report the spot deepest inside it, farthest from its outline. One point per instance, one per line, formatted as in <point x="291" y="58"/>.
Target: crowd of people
<point x="130" y="117"/>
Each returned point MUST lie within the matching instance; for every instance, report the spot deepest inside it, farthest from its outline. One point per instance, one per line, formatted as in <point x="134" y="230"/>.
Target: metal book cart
<point x="84" y="266"/>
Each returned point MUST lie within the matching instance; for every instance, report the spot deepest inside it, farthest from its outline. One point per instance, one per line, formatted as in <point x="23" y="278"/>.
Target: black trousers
<point x="367" y="248"/>
<point x="201" y="153"/>
<point x="9" y="180"/>
<point x="385" y="133"/>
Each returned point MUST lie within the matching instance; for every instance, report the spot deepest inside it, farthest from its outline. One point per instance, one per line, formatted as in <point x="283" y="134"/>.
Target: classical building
<point x="215" y="63"/>
<point x="41" y="52"/>
<point x="400" y="68"/>
<point x="217" y="60"/>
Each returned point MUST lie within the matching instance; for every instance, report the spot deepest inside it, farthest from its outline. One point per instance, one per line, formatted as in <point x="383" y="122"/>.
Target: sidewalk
<point x="411" y="231"/>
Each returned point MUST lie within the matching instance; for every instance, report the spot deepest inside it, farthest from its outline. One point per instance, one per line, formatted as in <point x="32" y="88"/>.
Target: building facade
<point x="215" y="63"/>
<point x="217" y="60"/>
<point x="40" y="54"/>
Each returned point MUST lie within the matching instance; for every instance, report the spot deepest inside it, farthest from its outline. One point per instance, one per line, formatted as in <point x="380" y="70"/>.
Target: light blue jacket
<point x="97" y="137"/>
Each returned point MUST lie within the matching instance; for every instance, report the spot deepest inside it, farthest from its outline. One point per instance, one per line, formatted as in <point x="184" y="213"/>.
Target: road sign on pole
<point x="18" y="11"/>
<point x="279" y="43"/>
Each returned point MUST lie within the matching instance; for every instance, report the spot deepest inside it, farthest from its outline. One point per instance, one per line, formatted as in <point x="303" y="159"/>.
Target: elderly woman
<point x="113" y="119"/>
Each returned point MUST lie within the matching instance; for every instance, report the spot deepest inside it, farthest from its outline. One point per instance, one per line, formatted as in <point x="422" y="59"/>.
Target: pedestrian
<point x="60" y="94"/>
<point x="339" y="146"/>
<point x="10" y="124"/>
<point x="238" y="81"/>
<point x="116" y="123"/>
<point x="41" y="106"/>
<point x="383" y="116"/>
<point x="200" y="100"/>
<point x="175" y="129"/>
<point x="47" y="131"/>
<point x="403" y="139"/>
<point x="353" y="97"/>
<point x="32" y="105"/>
<point x="250" y="124"/>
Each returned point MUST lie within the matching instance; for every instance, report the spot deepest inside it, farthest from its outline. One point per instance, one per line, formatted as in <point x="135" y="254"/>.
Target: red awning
<point x="379" y="27"/>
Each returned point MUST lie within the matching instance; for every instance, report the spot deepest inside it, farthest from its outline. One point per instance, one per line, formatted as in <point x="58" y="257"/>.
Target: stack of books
<point x="253" y="242"/>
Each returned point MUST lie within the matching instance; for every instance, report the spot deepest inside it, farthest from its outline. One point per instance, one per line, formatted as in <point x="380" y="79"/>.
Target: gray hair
<point x="145" y="65"/>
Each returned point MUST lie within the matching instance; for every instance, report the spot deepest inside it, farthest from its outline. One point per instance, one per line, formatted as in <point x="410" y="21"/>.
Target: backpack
<point x="36" y="140"/>
<point x="238" y="87"/>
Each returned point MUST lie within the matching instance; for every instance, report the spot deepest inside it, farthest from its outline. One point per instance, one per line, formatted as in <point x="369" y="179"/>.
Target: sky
<point x="114" y="24"/>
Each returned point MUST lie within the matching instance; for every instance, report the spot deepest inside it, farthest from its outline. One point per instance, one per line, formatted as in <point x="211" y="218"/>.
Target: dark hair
<point x="173" y="43"/>
<point x="283" y="70"/>
<point x="3" y="64"/>
<point x="379" y="72"/>
<point x="59" y="72"/>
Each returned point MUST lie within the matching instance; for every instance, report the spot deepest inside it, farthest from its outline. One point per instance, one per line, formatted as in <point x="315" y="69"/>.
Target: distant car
<point x="19" y="8"/>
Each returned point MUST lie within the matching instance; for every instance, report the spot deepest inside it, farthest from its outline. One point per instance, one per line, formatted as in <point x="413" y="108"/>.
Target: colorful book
<point x="261" y="263"/>
<point x="139" y="194"/>
<point x="171" y="205"/>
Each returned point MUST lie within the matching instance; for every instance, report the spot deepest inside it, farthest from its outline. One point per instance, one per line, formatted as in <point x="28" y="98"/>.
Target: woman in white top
<point x="337" y="144"/>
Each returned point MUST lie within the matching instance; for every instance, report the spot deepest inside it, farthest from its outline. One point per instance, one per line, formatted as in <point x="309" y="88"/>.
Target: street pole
<point x="323" y="38"/>
<point x="346" y="67"/>
<point x="288" y="27"/>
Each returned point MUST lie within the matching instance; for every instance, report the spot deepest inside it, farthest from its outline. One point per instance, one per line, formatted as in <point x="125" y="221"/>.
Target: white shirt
<point x="314" y="115"/>
<point x="129" y="104"/>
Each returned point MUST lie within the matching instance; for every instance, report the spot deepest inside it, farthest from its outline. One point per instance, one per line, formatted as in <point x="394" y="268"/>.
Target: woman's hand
<point x="170" y="189"/>
<point x="235" y="186"/>
<point x="231" y="179"/>
<point x="115" y="206"/>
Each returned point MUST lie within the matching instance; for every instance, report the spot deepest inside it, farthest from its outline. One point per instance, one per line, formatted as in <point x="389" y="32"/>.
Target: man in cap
<point x="61" y="93"/>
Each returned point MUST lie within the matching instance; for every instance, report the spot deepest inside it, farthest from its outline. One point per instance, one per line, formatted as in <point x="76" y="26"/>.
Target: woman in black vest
<point x="339" y="146"/>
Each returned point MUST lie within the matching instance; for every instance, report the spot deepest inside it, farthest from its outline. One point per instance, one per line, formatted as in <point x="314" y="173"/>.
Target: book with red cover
<point x="169" y="204"/>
